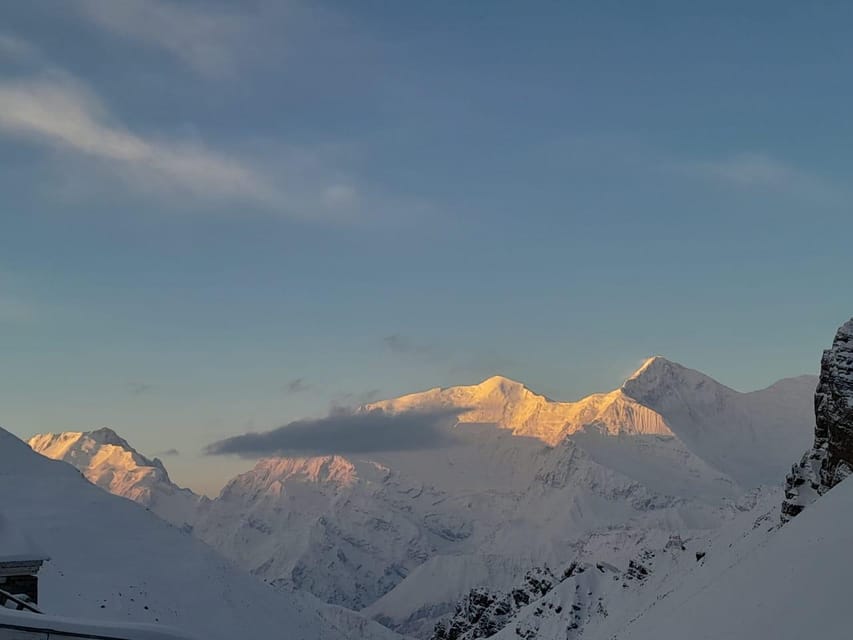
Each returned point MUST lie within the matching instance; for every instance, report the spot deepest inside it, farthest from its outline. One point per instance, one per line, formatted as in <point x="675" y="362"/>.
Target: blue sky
<point x="220" y="217"/>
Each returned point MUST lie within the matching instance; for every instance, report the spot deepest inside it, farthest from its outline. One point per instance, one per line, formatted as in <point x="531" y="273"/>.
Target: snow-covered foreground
<point x="793" y="584"/>
<point x="750" y="579"/>
<point x="111" y="559"/>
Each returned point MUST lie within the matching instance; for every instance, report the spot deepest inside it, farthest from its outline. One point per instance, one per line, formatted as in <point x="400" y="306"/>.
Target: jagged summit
<point x="499" y="381"/>
<point x="650" y="364"/>
<point x="658" y="376"/>
<point x="830" y="459"/>
<point x="105" y="435"/>
<point x="110" y="462"/>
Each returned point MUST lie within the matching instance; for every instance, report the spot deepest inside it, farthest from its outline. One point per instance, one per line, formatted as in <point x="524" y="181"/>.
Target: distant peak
<point x="844" y="331"/>
<point x="500" y="382"/>
<point x="654" y="364"/>
<point x="105" y="435"/>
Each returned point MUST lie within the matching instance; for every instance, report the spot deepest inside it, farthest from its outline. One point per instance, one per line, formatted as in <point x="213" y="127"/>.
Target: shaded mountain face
<point x="748" y="436"/>
<point x="111" y="559"/>
<point x="110" y="462"/>
<point x="830" y="459"/>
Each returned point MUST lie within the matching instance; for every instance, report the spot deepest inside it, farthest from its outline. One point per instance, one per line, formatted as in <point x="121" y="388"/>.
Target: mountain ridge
<point x="108" y="461"/>
<point x="525" y="480"/>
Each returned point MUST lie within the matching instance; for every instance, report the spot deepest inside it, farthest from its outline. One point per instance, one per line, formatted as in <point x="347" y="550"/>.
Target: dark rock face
<point x="830" y="459"/>
<point x="483" y="612"/>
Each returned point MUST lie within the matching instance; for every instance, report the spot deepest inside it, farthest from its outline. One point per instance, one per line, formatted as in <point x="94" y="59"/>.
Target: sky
<point x="220" y="217"/>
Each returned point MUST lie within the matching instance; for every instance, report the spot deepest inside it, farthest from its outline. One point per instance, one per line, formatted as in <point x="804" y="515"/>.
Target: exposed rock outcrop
<point x="484" y="612"/>
<point x="830" y="459"/>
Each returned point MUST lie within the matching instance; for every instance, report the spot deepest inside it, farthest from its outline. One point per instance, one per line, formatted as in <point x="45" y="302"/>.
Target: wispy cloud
<point x="53" y="109"/>
<point x="464" y="360"/>
<point x="368" y="396"/>
<point x="168" y="453"/>
<point x="15" y="49"/>
<point x="347" y="402"/>
<point x="763" y="171"/>
<point x="97" y="154"/>
<point x="298" y="385"/>
<point x="138" y="388"/>
<point x="400" y="344"/>
<point x="203" y="37"/>
<point x="347" y="432"/>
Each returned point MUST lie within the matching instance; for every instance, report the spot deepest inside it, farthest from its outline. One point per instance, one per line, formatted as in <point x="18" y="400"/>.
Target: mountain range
<point x="521" y="482"/>
<point x="111" y="559"/>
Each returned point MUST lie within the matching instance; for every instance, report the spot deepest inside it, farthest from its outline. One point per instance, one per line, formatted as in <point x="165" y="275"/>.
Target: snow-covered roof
<point x="75" y="628"/>
<point x="16" y="546"/>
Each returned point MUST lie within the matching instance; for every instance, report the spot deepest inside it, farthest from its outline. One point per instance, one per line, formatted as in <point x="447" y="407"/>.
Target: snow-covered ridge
<point x="511" y="405"/>
<point x="108" y="461"/>
<point x="721" y="426"/>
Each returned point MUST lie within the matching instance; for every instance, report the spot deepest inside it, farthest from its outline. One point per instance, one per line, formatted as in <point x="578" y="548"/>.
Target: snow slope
<point x="108" y="461"/>
<point x="113" y="560"/>
<point x="600" y="597"/>
<point x="793" y="585"/>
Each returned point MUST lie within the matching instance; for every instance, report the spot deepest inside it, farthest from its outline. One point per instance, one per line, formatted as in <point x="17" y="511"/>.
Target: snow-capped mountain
<point x="108" y="461"/>
<point x="111" y="559"/>
<point x="721" y="426"/>
<point x="724" y="427"/>
<point x="522" y="481"/>
<point x="528" y="481"/>
<point x="750" y="578"/>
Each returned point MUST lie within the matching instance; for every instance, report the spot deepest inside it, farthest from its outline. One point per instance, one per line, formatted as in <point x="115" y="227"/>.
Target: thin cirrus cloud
<point x="14" y="48"/>
<point x="204" y="38"/>
<point x="404" y="345"/>
<point x="347" y="432"/>
<point x="139" y="388"/>
<point x="298" y="385"/>
<point x="52" y="109"/>
<point x="762" y="171"/>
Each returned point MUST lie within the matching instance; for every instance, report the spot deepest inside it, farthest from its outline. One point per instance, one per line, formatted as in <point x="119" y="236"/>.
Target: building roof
<point x="16" y="546"/>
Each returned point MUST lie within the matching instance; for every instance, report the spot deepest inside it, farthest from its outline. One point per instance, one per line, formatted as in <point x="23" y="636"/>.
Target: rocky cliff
<point x="830" y="459"/>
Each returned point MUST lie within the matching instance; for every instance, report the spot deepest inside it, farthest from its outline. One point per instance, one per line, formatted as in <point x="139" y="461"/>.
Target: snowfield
<point x="792" y="584"/>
